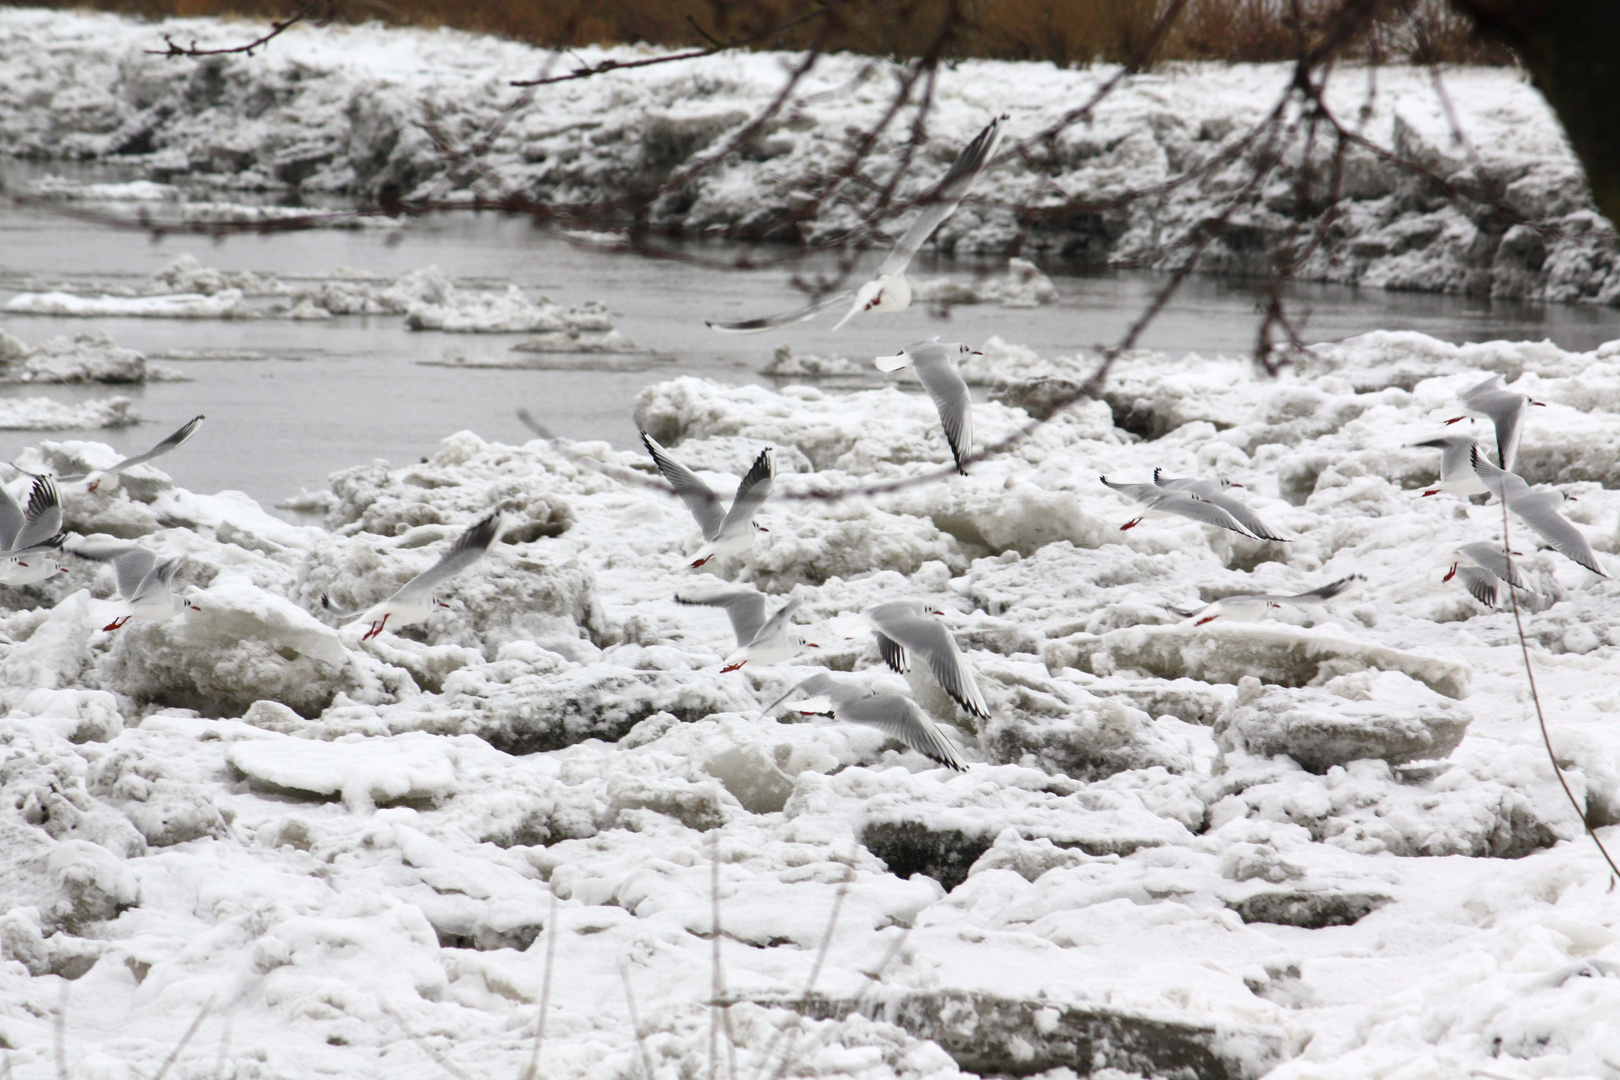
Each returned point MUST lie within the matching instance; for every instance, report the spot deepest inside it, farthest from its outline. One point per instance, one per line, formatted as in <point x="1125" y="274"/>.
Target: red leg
<point x="1205" y="619"/>
<point x="1426" y="494"/>
<point x="1133" y="523"/>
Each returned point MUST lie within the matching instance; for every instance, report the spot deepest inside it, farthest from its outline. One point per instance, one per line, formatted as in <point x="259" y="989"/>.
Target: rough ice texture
<point x="44" y="414"/>
<point x="83" y="358"/>
<point x="349" y="110"/>
<point x="1328" y="845"/>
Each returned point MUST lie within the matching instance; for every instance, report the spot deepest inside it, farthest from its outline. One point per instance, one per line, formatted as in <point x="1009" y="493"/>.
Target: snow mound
<point x="226" y="304"/>
<point x="361" y="772"/>
<point x="83" y="358"/>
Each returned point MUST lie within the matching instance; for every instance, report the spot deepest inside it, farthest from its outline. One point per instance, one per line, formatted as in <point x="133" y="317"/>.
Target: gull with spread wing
<point x="30" y="537"/>
<point x="414" y="601"/>
<point x="889" y="290"/>
<point x="1492" y="400"/>
<point x="935" y="365"/>
<point x="894" y="714"/>
<point x="1250" y="607"/>
<point x="1155" y="501"/>
<point x="1214" y="491"/>
<point x="1539" y="510"/>
<point x="912" y="626"/>
<point x="145" y="585"/>
<point x="1483" y="569"/>
<point x="97" y="477"/>
<point x="760" y="640"/>
<point x="1457" y="474"/>
<point x="725" y="532"/>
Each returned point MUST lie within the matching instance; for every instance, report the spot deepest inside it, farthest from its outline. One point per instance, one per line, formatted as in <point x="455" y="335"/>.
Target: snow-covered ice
<point x="348" y="111"/>
<point x="1324" y="845"/>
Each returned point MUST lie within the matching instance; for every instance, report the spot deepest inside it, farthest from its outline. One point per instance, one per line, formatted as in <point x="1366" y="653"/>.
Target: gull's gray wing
<point x="1494" y="560"/>
<point x="1242" y="514"/>
<point x="777" y="624"/>
<point x="160" y="577"/>
<point x="341" y="613"/>
<point x="1536" y="509"/>
<point x="744" y="604"/>
<point x="131" y="564"/>
<point x="11" y="519"/>
<point x="902" y="623"/>
<point x="1322" y="594"/>
<point x="933" y="366"/>
<point x="752" y="492"/>
<point x="1499" y="482"/>
<point x="946" y="197"/>
<point x="1505" y="410"/>
<point x="1454" y="453"/>
<point x="838" y="691"/>
<point x="893" y="653"/>
<point x="1142" y="493"/>
<point x="1199" y="510"/>
<point x="900" y="718"/>
<point x="786" y="318"/>
<point x="1187" y="484"/>
<point x="43" y="518"/>
<point x="173" y="441"/>
<point x="469" y="547"/>
<point x="1482" y="584"/>
<point x="699" y="497"/>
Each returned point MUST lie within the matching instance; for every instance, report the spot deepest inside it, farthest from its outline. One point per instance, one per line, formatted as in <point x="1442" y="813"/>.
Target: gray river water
<point x="322" y="396"/>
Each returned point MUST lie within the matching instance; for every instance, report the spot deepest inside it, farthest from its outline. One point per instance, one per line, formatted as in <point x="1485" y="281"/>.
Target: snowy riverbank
<point x="343" y="111"/>
<point x="332" y="843"/>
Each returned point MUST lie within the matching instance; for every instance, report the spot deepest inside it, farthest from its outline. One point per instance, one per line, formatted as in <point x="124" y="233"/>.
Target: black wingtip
<point x="326" y="602"/>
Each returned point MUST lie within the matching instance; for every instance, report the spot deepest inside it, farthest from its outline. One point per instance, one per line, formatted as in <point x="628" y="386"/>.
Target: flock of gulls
<point x="33" y="537"/>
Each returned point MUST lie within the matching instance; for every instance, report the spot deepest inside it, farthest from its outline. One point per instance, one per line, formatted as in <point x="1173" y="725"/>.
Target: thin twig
<point x="174" y="1054"/>
<point x="533" y="1070"/>
<point x="275" y="31"/>
<point x="815" y="968"/>
<point x="635" y="1024"/>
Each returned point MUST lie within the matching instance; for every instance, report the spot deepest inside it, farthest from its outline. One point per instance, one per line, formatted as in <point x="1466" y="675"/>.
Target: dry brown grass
<point x="1062" y="31"/>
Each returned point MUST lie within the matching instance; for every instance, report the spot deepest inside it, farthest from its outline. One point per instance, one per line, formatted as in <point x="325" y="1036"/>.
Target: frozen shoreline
<point x="350" y="846"/>
<point x="337" y="111"/>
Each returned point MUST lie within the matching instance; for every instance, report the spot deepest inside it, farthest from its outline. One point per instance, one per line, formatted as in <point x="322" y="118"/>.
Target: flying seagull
<point x="1214" y="491"/>
<point x="1248" y="607"/>
<point x="97" y="477"/>
<point x="910" y="626"/>
<point x="1457" y="474"/>
<point x="145" y="586"/>
<point x="726" y="532"/>
<point x="760" y="640"/>
<point x="28" y="538"/>
<point x="414" y="601"/>
<point x="1155" y="501"/>
<point x="1492" y="400"/>
<point x="1483" y="569"/>
<point x="894" y="714"/>
<point x="889" y="290"/>
<point x="935" y="365"/>
<point x="1539" y="510"/>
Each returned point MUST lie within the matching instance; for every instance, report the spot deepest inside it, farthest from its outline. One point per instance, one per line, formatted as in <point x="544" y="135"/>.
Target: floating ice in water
<point x="226" y="304"/>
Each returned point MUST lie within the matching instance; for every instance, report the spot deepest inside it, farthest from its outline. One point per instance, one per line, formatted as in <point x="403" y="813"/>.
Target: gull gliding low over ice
<point x="912" y="626"/>
<point x="1539" y="510"/>
<point x="1155" y="501"/>
<point x="97" y="477"/>
<point x="935" y="365"/>
<point x="1250" y="607"/>
<point x="1214" y="491"/>
<point x="414" y="601"/>
<point x="894" y="714"/>
<point x="727" y="532"/>
<point x="769" y="641"/>
<point x="145" y="586"/>
<point x="1457" y="475"/>
<point x="30" y="536"/>
<point x="1483" y="569"/>
<point x="888" y="290"/>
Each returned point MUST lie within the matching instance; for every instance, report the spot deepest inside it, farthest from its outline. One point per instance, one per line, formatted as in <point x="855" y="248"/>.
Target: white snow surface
<point x="347" y="111"/>
<point x="350" y="851"/>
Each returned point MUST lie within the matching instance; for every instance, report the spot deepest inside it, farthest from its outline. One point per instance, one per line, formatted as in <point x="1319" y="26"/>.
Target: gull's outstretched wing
<point x="932" y="364"/>
<point x="1141" y="493"/>
<point x="1482" y="584"/>
<point x="900" y="718"/>
<point x="43" y="518"/>
<point x="1537" y="509"/>
<point x="1454" y="453"/>
<point x="342" y="613"/>
<point x="786" y="318"/>
<point x="1322" y="594"/>
<point x="1504" y="409"/>
<point x="903" y="624"/>
<point x="699" y="497"/>
<point x="777" y="624"/>
<point x="743" y="603"/>
<point x="1493" y="559"/>
<point x="1195" y="509"/>
<point x="836" y="690"/>
<point x="893" y="653"/>
<point x="185" y="432"/>
<point x="469" y="547"/>
<point x="131" y="564"/>
<point x="752" y="491"/>
<point x="946" y="197"/>
<point x="11" y="519"/>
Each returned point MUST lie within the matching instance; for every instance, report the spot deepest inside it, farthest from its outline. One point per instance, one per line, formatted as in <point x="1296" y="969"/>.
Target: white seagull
<point x="889" y="290"/>
<point x="910" y="626"/>
<point x="414" y="601"/>
<point x="1492" y="400"/>
<point x="935" y="365"/>
<point x="726" y="532"/>
<point x="1155" y="501"/>
<point x="894" y="714"/>
<point x="145" y="586"/>
<point x="30" y="537"/>
<point x="1457" y="474"/>
<point x="1483" y="569"/>
<point x="1539" y="510"/>
<point x="759" y="640"/>
<point x="1250" y="607"/>
<point x="1214" y="491"/>
<point x="98" y="477"/>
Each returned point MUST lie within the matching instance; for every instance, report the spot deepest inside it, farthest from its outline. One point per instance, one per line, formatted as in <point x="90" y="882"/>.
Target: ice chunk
<point x="362" y="772"/>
